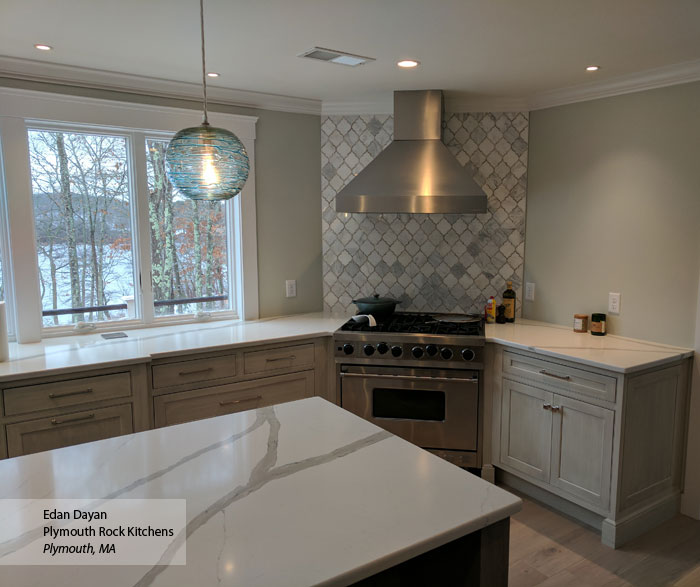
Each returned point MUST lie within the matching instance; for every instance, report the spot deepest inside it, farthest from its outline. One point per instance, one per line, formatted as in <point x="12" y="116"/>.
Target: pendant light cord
<point x="204" y="66"/>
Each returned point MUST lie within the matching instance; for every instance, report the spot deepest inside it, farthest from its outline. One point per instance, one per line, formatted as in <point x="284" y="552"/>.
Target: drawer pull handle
<point x="195" y="371"/>
<point x="55" y="422"/>
<point x="546" y="406"/>
<point x="556" y="408"/>
<point x="288" y="358"/>
<point x="548" y="374"/>
<point x="67" y="393"/>
<point x="239" y="401"/>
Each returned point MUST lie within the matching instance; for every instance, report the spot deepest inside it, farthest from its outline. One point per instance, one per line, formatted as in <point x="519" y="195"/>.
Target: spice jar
<point x="580" y="322"/>
<point x="598" y="324"/>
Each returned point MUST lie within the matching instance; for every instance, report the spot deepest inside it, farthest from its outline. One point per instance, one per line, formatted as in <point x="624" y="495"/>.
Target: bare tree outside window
<point x="188" y="245"/>
<point x="80" y="184"/>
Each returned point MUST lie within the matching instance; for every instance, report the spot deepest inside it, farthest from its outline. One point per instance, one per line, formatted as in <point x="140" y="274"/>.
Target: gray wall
<point x="287" y="190"/>
<point x="614" y="206"/>
<point x="431" y="262"/>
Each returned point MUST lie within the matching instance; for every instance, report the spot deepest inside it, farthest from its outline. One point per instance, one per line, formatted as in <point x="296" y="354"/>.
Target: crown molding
<point x="39" y="71"/>
<point x="670" y="75"/>
<point x="452" y="104"/>
<point x="68" y="75"/>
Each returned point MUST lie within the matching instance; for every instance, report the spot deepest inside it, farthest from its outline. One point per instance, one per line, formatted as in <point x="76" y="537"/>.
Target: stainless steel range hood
<point x="416" y="173"/>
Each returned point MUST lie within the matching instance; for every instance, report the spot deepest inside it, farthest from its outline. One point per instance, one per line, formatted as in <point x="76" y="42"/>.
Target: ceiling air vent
<point x="333" y="56"/>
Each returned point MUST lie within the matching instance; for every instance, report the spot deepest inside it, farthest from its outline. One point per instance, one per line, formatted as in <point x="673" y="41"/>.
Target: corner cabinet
<point x="604" y="447"/>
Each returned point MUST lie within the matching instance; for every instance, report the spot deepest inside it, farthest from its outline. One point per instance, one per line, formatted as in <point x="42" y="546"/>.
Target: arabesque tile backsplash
<point x="431" y="262"/>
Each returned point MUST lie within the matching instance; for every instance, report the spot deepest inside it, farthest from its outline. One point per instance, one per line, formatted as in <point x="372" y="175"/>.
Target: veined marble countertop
<point x="616" y="353"/>
<point x="85" y="351"/>
<point x="302" y="493"/>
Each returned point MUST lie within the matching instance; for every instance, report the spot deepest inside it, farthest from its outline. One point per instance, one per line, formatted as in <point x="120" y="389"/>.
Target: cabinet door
<point x="58" y="431"/>
<point x="526" y="429"/>
<point x="186" y="406"/>
<point x="582" y="441"/>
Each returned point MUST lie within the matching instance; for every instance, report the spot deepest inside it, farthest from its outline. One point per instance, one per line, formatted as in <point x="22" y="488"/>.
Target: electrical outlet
<point x="614" y="303"/>
<point x="529" y="291"/>
<point x="291" y="288"/>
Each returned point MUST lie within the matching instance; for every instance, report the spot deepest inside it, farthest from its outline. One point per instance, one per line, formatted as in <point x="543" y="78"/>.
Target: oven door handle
<point x="410" y="378"/>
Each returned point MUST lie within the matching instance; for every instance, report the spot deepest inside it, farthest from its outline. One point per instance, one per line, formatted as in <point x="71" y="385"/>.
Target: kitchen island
<point x="302" y="493"/>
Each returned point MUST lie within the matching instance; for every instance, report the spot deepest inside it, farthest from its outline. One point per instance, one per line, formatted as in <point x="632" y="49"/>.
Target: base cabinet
<point x="582" y="437"/>
<point x="65" y="430"/>
<point x="558" y="440"/>
<point x="610" y="445"/>
<point x="197" y="404"/>
<point x="526" y="429"/>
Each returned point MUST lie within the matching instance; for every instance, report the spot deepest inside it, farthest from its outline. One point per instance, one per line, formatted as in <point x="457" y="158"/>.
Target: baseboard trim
<point x="615" y="533"/>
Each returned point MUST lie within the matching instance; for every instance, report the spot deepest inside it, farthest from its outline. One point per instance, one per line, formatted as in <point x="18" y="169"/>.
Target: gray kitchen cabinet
<point x="582" y="438"/>
<point x="558" y="440"/>
<point x="526" y="429"/>
<point x="602" y="446"/>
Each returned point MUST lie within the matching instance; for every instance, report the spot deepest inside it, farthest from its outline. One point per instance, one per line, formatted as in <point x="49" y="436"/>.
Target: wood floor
<point x="550" y="550"/>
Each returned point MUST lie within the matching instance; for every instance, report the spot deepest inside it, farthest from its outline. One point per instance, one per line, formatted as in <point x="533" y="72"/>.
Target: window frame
<point x="25" y="110"/>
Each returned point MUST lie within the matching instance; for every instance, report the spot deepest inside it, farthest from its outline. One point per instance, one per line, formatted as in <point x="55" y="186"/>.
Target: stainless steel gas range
<point x="418" y="376"/>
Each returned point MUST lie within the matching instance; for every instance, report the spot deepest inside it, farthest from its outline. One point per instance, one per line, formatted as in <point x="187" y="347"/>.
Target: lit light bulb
<point x="209" y="173"/>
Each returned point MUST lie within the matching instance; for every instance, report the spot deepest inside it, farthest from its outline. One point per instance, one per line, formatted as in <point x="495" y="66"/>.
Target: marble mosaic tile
<point x="431" y="262"/>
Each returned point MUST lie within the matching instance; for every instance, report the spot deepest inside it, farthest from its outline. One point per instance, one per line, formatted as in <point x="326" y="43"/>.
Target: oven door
<point x="433" y="408"/>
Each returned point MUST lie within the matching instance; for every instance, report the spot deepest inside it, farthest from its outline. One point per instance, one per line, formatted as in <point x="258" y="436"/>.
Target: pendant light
<point x="204" y="162"/>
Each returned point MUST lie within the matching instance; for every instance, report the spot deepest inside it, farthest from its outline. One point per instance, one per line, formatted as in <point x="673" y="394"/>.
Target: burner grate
<point x="403" y="322"/>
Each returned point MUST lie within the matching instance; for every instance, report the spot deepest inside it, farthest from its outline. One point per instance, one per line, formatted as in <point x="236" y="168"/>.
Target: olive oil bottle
<point x="509" y="302"/>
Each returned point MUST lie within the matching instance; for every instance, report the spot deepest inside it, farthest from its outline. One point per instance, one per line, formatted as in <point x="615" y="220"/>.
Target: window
<point x="93" y="231"/>
<point x="189" y="248"/>
<point x="82" y="217"/>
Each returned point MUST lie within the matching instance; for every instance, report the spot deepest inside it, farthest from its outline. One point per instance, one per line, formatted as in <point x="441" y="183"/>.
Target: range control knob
<point x="368" y="349"/>
<point x="446" y="353"/>
<point x="396" y="350"/>
<point x="348" y="349"/>
<point x="468" y="354"/>
<point x="382" y="348"/>
<point x="432" y="350"/>
<point x="417" y="351"/>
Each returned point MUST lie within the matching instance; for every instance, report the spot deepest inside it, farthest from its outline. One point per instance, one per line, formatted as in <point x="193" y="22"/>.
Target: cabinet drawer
<point x="49" y="433"/>
<point x="186" y="406"/>
<point x="290" y="358"/>
<point x="193" y="371"/>
<point x="73" y="392"/>
<point x="560" y="376"/>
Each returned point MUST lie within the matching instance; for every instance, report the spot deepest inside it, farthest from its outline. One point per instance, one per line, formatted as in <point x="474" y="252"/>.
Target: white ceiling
<point x="478" y="50"/>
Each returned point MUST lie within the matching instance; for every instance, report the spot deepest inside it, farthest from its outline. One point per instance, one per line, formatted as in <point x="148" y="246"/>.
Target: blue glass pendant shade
<point x="207" y="163"/>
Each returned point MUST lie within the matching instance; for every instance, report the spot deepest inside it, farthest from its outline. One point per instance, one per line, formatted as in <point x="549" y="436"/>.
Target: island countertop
<point x="302" y="493"/>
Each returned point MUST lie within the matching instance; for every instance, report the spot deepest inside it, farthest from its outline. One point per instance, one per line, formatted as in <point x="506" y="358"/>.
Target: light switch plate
<point x="529" y="291"/>
<point x="291" y="288"/>
<point x="614" y="303"/>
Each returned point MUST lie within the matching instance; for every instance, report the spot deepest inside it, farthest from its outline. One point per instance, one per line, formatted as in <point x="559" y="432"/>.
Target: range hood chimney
<point x="416" y="173"/>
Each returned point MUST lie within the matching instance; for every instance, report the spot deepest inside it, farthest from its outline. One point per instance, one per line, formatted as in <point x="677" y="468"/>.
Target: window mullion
<point x="20" y="217"/>
<point x="142" y="240"/>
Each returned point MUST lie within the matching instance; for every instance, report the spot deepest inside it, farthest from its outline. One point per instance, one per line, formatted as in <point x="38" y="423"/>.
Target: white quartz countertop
<point x="70" y="353"/>
<point x="302" y="493"/>
<point x="615" y="353"/>
<point x="86" y="351"/>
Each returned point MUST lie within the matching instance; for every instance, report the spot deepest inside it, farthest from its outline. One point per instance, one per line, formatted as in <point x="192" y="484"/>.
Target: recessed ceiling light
<point x="408" y="63"/>
<point x="593" y="68"/>
<point x="213" y="74"/>
<point x="42" y="47"/>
